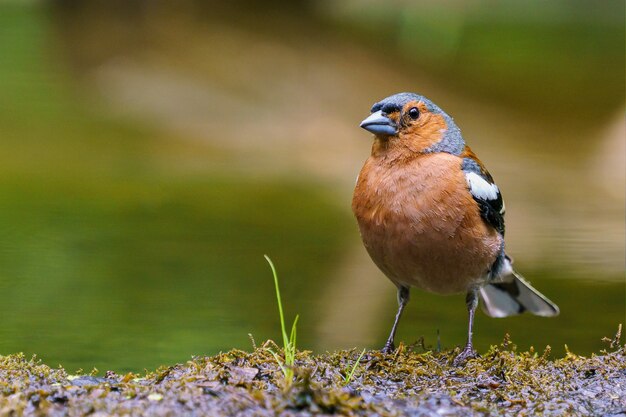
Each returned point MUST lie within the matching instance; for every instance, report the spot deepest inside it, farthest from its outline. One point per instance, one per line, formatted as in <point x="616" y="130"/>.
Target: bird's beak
<point x="379" y="124"/>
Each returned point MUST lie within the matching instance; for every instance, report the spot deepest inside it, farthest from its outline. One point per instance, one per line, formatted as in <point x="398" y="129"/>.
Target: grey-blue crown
<point x="397" y="101"/>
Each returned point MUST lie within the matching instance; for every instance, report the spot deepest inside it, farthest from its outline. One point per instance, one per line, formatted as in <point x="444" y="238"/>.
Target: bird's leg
<point x="403" y="299"/>
<point x="468" y="352"/>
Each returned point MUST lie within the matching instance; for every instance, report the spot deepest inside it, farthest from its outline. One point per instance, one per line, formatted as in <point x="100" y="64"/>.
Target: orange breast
<point x="420" y="224"/>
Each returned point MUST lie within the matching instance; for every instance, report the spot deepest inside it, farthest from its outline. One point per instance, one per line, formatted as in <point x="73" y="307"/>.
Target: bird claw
<point x="389" y="348"/>
<point x="465" y="355"/>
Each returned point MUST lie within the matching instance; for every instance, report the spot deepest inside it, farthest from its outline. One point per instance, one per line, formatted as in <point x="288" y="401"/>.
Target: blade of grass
<point x="292" y="336"/>
<point x="278" y="300"/>
<point x="348" y="377"/>
<point x="278" y="361"/>
<point x="289" y="341"/>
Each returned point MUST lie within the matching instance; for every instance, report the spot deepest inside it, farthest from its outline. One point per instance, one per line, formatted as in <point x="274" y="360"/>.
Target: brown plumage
<point x="430" y="215"/>
<point x="420" y="224"/>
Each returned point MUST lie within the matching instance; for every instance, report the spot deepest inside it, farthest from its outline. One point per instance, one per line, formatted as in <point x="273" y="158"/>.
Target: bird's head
<point x="410" y="122"/>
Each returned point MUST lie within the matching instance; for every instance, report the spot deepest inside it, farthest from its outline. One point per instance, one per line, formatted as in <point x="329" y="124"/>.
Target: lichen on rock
<point x="412" y="381"/>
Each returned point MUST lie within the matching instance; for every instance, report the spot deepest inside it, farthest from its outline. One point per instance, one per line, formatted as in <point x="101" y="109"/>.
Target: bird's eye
<point x="414" y="113"/>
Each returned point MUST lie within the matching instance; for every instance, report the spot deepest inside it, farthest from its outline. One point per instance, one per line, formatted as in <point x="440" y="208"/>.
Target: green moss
<point x="503" y="381"/>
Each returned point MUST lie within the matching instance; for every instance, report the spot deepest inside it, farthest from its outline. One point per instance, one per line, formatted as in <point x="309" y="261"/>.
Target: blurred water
<point x="141" y="184"/>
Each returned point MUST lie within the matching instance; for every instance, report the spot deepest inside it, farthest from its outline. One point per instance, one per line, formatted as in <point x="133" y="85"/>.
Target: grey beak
<point x="379" y="124"/>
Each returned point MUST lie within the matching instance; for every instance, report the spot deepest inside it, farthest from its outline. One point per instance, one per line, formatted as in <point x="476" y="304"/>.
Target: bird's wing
<point x="485" y="192"/>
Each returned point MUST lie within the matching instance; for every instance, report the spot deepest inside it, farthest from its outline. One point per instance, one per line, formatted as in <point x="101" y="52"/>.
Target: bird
<point x="431" y="216"/>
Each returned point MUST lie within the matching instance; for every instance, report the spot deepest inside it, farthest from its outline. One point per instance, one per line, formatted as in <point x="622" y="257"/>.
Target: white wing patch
<point x="480" y="188"/>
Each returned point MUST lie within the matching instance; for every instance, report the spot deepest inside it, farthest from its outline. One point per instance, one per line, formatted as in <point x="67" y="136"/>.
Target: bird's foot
<point x="466" y="354"/>
<point x="388" y="348"/>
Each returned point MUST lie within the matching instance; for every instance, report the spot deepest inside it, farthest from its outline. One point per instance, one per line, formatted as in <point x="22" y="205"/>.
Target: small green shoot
<point x="289" y="341"/>
<point x="348" y="377"/>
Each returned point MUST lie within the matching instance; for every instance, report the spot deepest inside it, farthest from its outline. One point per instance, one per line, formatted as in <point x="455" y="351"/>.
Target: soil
<point x="411" y="381"/>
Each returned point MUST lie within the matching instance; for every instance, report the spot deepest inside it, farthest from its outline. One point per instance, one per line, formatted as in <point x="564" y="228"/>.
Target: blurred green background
<point x="152" y="152"/>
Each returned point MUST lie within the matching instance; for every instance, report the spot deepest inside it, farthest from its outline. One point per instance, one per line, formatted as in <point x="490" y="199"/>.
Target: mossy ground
<point x="412" y="381"/>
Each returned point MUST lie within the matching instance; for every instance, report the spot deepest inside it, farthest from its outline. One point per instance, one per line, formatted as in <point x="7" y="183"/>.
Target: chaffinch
<point x="431" y="216"/>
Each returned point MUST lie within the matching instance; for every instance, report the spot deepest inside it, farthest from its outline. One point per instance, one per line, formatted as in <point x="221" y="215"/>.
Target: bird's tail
<point x="512" y="295"/>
